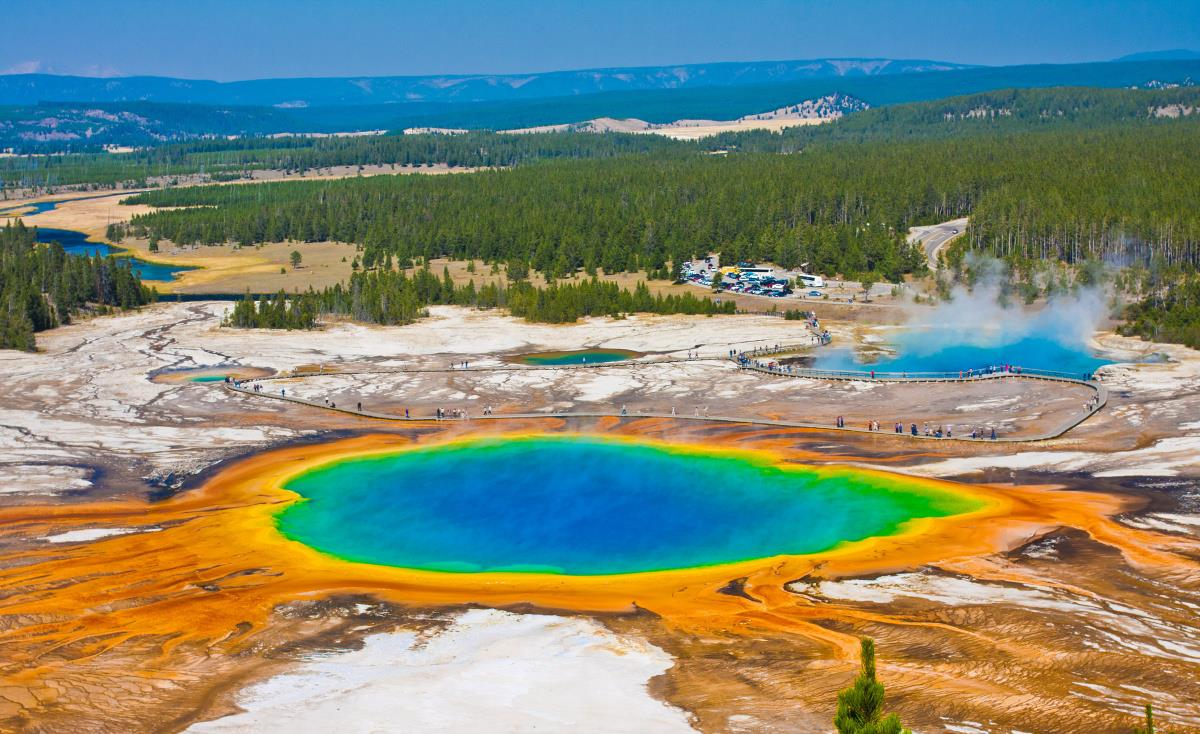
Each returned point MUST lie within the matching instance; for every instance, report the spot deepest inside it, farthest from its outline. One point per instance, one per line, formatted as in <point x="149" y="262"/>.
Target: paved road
<point x="936" y="236"/>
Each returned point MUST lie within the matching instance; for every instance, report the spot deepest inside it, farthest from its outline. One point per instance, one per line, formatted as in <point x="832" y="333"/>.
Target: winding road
<point x="936" y="236"/>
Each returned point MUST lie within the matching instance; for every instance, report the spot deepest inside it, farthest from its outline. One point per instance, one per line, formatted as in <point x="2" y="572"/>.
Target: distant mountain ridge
<point x="79" y="126"/>
<point x="28" y="89"/>
<point x="830" y="107"/>
<point x="1173" y="54"/>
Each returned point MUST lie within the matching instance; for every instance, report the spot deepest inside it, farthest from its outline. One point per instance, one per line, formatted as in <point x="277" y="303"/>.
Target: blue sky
<point x="246" y="39"/>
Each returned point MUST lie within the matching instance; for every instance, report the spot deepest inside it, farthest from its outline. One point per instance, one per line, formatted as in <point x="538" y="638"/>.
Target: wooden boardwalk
<point x="1101" y="395"/>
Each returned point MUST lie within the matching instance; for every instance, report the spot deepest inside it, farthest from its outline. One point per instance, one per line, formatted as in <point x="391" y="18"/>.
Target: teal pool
<point x="207" y="378"/>
<point x="581" y="356"/>
<point x="589" y="506"/>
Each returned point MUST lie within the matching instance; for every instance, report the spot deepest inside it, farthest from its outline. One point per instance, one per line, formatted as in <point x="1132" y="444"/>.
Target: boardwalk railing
<point x="253" y="388"/>
<point x="746" y="362"/>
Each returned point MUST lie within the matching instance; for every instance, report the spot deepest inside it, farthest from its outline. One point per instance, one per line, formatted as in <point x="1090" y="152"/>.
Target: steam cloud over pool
<point x="973" y="331"/>
<point x="924" y="352"/>
<point x="587" y="506"/>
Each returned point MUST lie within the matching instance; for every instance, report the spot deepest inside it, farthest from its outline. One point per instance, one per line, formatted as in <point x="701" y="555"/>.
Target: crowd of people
<point x="745" y="358"/>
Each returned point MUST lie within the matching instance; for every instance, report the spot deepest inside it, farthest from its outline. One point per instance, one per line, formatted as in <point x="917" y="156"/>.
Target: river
<point x="77" y="243"/>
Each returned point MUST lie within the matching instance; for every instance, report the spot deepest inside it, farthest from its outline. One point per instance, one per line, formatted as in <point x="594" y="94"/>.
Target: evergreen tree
<point x="16" y="332"/>
<point x="860" y="707"/>
<point x="41" y="286"/>
<point x="1149" y="727"/>
<point x="1037" y="194"/>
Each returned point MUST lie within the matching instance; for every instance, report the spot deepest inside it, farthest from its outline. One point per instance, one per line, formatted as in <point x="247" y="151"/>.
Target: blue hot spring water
<point x="588" y="506"/>
<point x="1049" y="343"/>
<point x="581" y="356"/>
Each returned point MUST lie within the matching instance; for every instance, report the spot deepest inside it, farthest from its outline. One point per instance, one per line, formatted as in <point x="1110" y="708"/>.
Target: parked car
<point x="815" y="294"/>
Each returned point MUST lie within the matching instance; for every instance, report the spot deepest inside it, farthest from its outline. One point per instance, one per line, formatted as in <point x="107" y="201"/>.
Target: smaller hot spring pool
<point x="207" y="378"/>
<point x="210" y="374"/>
<point x="580" y="356"/>
<point x="974" y="332"/>
<point x="919" y="352"/>
<point x="914" y="357"/>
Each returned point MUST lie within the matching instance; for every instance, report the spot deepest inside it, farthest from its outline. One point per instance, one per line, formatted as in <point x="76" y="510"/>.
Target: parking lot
<point x="745" y="278"/>
<point x="753" y="279"/>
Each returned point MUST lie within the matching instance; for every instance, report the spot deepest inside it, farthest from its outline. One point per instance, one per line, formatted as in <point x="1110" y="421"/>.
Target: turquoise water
<point x="207" y="378"/>
<point x="919" y="352"/>
<point x="76" y="243"/>
<point x="46" y="206"/>
<point x="589" y="506"/>
<point x="582" y="356"/>
<point x="30" y="209"/>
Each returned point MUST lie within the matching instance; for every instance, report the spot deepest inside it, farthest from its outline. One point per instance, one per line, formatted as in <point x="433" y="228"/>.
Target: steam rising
<point x="974" y="330"/>
<point x="978" y="318"/>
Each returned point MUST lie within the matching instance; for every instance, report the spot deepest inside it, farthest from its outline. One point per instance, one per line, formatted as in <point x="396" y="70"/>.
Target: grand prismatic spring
<point x="586" y="506"/>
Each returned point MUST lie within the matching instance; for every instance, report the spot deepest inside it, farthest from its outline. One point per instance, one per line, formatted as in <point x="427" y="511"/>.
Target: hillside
<point x="24" y="128"/>
<point x="73" y="126"/>
<point x="1075" y="194"/>
<point x="1175" y="54"/>
<point x="27" y="89"/>
<point x="987" y="113"/>
<point x="824" y="109"/>
<point x="993" y="112"/>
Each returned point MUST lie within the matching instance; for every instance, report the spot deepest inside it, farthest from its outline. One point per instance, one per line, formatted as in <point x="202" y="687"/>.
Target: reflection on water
<point x="77" y="243"/>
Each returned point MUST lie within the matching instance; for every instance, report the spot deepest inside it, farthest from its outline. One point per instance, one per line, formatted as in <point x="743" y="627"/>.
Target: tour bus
<point x="811" y="281"/>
